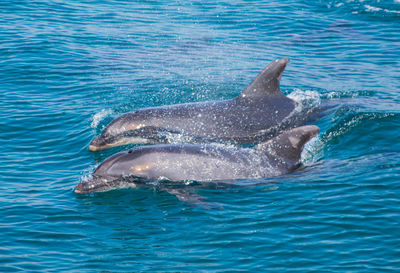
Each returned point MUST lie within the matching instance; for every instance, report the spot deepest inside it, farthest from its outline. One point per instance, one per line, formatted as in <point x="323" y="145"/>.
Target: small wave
<point x="375" y="9"/>
<point x="392" y="11"/>
<point x="99" y="117"/>
<point x="371" y="8"/>
<point x="346" y="94"/>
<point x="352" y="120"/>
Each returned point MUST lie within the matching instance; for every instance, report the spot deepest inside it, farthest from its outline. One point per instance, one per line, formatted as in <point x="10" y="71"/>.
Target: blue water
<point x="69" y="67"/>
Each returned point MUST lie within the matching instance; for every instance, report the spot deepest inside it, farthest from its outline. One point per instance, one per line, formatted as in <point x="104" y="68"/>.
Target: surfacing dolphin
<point x="201" y="162"/>
<point x="260" y="112"/>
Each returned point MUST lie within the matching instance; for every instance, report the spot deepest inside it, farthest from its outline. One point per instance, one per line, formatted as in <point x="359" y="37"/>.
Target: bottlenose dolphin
<point x="260" y="112"/>
<point x="200" y="162"/>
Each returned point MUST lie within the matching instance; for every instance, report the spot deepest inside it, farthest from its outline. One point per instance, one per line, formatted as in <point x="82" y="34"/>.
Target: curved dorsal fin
<point x="289" y="144"/>
<point x="267" y="82"/>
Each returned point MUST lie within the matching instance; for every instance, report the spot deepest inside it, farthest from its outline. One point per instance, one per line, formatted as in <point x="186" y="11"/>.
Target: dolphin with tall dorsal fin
<point x="201" y="162"/>
<point x="252" y="117"/>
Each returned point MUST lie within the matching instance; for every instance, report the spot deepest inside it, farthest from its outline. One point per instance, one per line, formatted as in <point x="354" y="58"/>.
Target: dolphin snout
<point x="82" y="188"/>
<point x="94" y="184"/>
<point x="285" y="60"/>
<point x="130" y="137"/>
<point x="98" y="143"/>
<point x="103" y="183"/>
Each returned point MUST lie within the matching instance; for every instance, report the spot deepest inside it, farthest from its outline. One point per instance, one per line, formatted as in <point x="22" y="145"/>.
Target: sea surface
<point x="67" y="68"/>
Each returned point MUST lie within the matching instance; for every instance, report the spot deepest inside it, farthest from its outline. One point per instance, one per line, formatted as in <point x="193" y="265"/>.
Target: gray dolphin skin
<point x="260" y="112"/>
<point x="200" y="162"/>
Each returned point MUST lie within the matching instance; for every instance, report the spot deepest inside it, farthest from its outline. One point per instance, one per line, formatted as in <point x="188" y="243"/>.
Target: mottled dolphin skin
<point x="201" y="162"/>
<point x="252" y="117"/>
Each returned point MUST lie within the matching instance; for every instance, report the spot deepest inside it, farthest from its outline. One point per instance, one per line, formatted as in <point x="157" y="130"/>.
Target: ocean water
<point x="69" y="67"/>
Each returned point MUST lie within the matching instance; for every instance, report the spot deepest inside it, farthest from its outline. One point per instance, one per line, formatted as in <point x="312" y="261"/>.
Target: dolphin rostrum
<point x="260" y="112"/>
<point x="200" y="162"/>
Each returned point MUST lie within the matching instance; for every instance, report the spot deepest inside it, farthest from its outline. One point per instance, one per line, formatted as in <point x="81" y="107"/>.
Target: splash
<point x="308" y="102"/>
<point x="312" y="151"/>
<point x="305" y="99"/>
<point x="86" y="174"/>
<point x="301" y="96"/>
<point x="99" y="117"/>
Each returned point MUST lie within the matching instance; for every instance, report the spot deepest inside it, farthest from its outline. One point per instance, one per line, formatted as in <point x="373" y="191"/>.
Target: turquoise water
<point x="69" y="67"/>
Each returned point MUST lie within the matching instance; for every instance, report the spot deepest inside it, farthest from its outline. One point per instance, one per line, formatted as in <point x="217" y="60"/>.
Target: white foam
<point x="99" y="117"/>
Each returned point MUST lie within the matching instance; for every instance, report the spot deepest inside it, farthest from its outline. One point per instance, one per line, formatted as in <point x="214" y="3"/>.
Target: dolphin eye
<point x="129" y="151"/>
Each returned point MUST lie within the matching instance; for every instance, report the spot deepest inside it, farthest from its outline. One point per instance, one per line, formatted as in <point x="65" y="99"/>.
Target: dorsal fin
<point x="289" y="144"/>
<point x="267" y="82"/>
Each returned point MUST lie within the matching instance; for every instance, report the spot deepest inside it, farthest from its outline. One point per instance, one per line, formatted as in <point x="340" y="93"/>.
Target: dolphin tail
<point x="267" y="82"/>
<point x="289" y="144"/>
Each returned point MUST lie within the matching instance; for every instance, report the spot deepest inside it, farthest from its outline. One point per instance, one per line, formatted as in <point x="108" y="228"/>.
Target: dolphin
<point x="260" y="112"/>
<point x="200" y="162"/>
